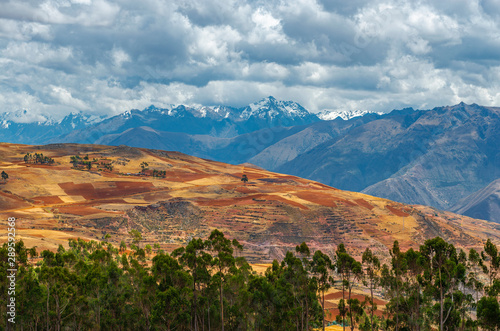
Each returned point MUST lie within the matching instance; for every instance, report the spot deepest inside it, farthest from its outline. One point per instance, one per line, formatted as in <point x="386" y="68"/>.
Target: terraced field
<point x="269" y="215"/>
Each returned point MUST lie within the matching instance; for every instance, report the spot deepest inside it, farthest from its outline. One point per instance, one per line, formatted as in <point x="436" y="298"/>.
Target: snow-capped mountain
<point x="328" y="115"/>
<point x="217" y="121"/>
<point x="23" y="116"/>
<point x="79" y="120"/>
<point x="271" y="108"/>
<point x="27" y="127"/>
<point x="268" y="108"/>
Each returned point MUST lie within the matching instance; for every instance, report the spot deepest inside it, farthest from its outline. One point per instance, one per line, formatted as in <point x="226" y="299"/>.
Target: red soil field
<point x="316" y="197"/>
<point x="364" y="203"/>
<point x="10" y="201"/>
<point x="245" y="189"/>
<point x="397" y="212"/>
<point x="121" y="189"/>
<point x="50" y="199"/>
<point x="80" y="210"/>
<point x="333" y="311"/>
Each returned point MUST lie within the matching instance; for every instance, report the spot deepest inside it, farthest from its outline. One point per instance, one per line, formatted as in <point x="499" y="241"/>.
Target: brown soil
<point x="271" y="214"/>
<point x="364" y="203"/>
<point x="48" y="200"/>
<point x="396" y="211"/>
<point x="319" y="198"/>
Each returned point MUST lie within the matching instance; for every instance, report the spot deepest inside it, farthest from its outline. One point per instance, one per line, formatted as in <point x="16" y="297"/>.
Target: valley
<point x="438" y="157"/>
<point x="270" y="214"/>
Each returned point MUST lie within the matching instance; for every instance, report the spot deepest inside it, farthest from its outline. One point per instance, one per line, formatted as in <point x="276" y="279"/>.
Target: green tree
<point x="398" y="264"/>
<point x="198" y="261"/>
<point x="372" y="268"/>
<point x="414" y="268"/>
<point x="59" y="283"/>
<point x="244" y="179"/>
<point x="342" y="259"/>
<point x="443" y="274"/>
<point x="144" y="166"/>
<point x="136" y="236"/>
<point x="350" y="271"/>
<point x="123" y="246"/>
<point x="322" y="267"/>
<point x="488" y="313"/>
<point x="490" y="261"/>
<point x="474" y="267"/>
<point x="223" y="261"/>
<point x="5" y="176"/>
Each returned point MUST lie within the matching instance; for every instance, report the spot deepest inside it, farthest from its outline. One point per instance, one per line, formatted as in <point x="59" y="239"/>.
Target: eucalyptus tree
<point x="322" y="268"/>
<point x="350" y="271"/>
<point x="196" y="258"/>
<point x="223" y="261"/>
<point x="443" y="275"/>
<point x="490" y="261"/>
<point x="172" y="306"/>
<point x="488" y="313"/>
<point x="474" y="266"/>
<point x="372" y="269"/>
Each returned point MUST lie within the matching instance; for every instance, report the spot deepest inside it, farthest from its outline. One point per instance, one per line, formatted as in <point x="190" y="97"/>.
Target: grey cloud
<point x="342" y="7"/>
<point x="108" y="56"/>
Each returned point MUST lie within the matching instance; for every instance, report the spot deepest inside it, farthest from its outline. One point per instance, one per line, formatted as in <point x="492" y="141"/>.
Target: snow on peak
<point x="271" y="107"/>
<point x="24" y="116"/>
<point x="328" y="115"/>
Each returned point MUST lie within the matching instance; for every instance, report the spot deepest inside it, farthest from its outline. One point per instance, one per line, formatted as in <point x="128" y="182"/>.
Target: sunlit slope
<point x="269" y="214"/>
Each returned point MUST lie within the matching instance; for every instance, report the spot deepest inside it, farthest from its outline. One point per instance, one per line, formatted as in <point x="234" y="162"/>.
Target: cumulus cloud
<point x="107" y="56"/>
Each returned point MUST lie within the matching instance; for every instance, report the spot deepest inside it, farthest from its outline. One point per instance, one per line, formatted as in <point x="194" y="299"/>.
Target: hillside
<point x="483" y="204"/>
<point x="269" y="214"/>
<point x="432" y="157"/>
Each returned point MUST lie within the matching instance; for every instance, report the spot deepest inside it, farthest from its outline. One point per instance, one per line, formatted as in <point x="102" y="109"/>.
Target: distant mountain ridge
<point x="433" y="157"/>
<point x="217" y="121"/>
<point x="328" y="115"/>
<point x="23" y="127"/>
<point x="483" y="204"/>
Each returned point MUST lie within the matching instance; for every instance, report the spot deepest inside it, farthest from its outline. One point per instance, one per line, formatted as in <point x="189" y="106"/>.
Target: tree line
<point x="85" y="162"/>
<point x="37" y="158"/>
<point x="208" y="285"/>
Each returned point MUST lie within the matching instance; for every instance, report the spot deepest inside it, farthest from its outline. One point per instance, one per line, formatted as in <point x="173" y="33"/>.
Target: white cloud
<point x="65" y="98"/>
<point x="108" y="56"/>
<point x="34" y="52"/>
<point x="119" y="57"/>
<point x="214" y="45"/>
<point x="267" y="29"/>
<point x="15" y="30"/>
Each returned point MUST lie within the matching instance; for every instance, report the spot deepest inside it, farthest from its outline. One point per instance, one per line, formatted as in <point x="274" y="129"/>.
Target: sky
<point x="107" y="56"/>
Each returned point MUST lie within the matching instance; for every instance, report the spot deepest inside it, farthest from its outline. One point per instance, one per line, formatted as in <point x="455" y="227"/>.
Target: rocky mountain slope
<point x="483" y="204"/>
<point x="432" y="157"/>
<point x="24" y="127"/>
<point x="191" y="196"/>
<point x="217" y="121"/>
<point x="220" y="121"/>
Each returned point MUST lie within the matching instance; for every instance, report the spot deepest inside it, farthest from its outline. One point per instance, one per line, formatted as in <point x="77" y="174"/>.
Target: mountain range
<point x="435" y="157"/>
<point x="217" y="121"/>
<point x="432" y="157"/>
